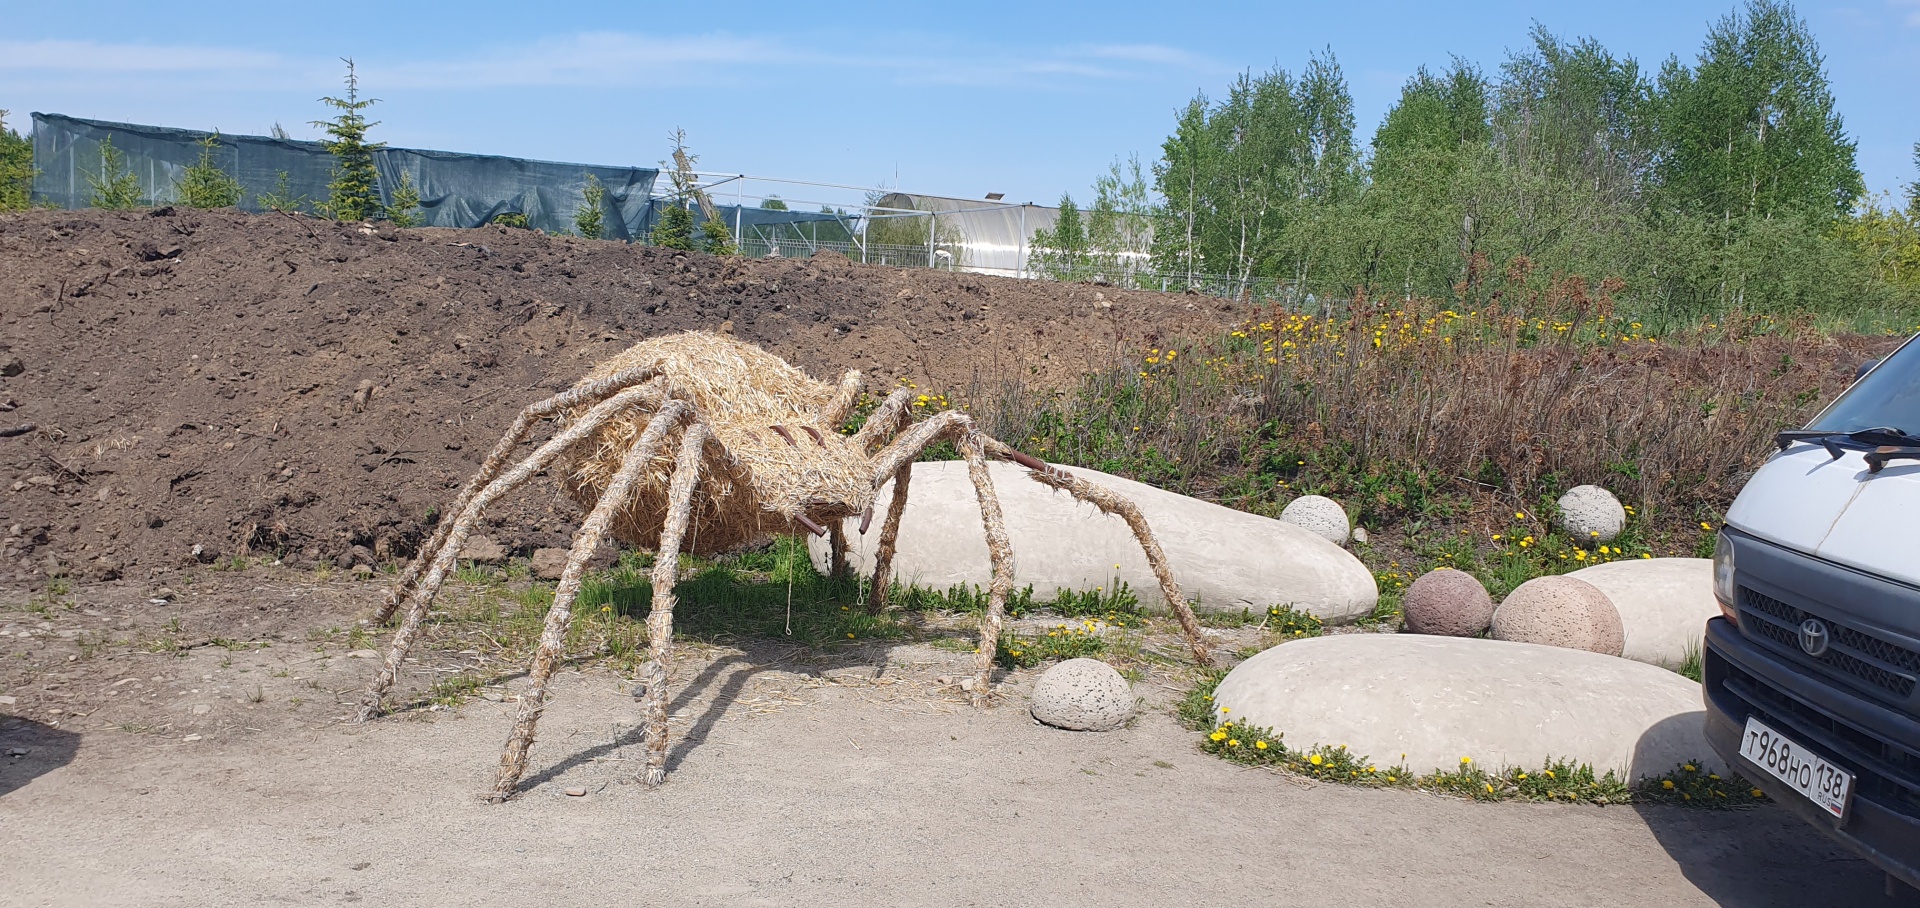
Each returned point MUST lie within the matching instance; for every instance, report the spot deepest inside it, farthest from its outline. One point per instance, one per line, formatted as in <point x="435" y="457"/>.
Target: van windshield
<point x="1888" y="397"/>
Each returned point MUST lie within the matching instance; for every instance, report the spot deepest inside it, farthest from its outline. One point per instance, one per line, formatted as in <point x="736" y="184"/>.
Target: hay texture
<point x="756" y="479"/>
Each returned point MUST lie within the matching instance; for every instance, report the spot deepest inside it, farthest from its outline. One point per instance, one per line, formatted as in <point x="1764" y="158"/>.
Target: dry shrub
<point x="1407" y="407"/>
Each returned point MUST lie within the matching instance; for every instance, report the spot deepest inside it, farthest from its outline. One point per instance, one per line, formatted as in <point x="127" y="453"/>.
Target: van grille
<point x="1856" y="653"/>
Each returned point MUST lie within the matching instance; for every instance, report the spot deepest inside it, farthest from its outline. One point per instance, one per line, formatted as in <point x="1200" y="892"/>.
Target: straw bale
<point x="755" y="482"/>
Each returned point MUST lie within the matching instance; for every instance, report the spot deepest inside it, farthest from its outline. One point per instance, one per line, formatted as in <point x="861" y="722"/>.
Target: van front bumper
<point x="1879" y="746"/>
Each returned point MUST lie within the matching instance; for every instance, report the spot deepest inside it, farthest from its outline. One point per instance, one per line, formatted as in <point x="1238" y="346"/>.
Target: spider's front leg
<point x="456" y="538"/>
<point x="666" y="571"/>
<point x="895" y="461"/>
<point x="553" y="637"/>
<point x="593" y="392"/>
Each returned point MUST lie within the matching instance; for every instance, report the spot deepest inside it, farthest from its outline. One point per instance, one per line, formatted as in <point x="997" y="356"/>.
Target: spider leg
<point x="843" y="401"/>
<point x="889" y="537"/>
<point x="883" y="422"/>
<point x="1113" y="503"/>
<point x="1000" y="548"/>
<point x="497" y="461"/>
<point x="553" y="638"/>
<point x="837" y="544"/>
<point x="436" y="574"/>
<point x="666" y="570"/>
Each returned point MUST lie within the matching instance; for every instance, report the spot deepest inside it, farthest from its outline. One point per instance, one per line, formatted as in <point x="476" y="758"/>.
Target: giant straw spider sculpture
<point x="700" y="443"/>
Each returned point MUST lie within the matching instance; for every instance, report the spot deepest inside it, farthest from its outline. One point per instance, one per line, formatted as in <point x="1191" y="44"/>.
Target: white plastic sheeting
<point x="994" y="237"/>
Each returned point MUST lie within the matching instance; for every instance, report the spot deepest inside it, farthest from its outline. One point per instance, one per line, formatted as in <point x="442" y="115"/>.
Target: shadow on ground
<point x="731" y="673"/>
<point x="1756" y="857"/>
<point x="46" y="749"/>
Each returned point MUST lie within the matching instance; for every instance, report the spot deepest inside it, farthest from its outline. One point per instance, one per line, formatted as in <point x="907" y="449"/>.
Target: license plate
<point x="1803" y="770"/>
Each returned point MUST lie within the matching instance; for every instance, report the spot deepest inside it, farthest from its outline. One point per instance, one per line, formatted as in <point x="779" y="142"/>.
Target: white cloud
<point x="1908" y="10"/>
<point x="625" y="59"/>
<point x="97" y="57"/>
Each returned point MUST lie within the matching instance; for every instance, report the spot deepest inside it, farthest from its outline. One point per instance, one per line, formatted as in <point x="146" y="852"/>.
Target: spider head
<point x="812" y="475"/>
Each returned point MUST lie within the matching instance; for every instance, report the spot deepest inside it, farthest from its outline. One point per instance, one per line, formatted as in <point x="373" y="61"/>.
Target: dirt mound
<point x="208" y="384"/>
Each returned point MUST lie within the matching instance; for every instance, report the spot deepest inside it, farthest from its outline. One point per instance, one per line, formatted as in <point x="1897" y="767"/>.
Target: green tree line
<point x="1727" y="182"/>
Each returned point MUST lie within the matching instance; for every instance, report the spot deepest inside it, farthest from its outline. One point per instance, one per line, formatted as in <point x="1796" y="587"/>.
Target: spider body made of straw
<point x="699" y="442"/>
<point x="778" y="453"/>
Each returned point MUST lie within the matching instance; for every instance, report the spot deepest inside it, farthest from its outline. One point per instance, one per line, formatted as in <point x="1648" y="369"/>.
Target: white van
<point x="1810" y="674"/>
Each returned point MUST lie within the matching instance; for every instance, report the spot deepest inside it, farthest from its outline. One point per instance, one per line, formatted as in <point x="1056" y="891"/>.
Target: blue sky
<point x="1027" y="99"/>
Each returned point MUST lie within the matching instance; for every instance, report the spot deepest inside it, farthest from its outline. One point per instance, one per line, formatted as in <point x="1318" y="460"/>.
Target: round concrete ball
<point x="1560" y="611"/>
<point x="1591" y="513"/>
<point x="1320" y="516"/>
<point x="1447" y="603"/>
<point x="1083" y="695"/>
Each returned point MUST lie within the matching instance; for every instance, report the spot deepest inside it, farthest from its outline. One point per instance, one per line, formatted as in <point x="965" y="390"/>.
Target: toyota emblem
<point x="1813" y="637"/>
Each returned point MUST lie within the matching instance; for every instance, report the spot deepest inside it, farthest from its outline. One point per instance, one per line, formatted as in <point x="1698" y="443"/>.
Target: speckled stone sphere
<point x="1320" y="516"/>
<point x="1560" y="611"/>
<point x="1083" y="695"/>
<point x="1447" y="603"/>
<point x="1591" y="514"/>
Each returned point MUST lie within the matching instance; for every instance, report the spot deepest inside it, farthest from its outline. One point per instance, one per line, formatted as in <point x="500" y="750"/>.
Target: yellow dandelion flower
<point x="1690" y="767"/>
<point x="1315" y="760"/>
<point x="1218" y="736"/>
<point x="1465" y="760"/>
<point x="1260" y="745"/>
<point x="1667" y="784"/>
<point x="1758" y="793"/>
<point x="1233" y="742"/>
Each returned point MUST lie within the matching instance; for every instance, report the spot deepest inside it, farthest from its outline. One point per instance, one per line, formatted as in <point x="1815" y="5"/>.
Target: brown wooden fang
<point x="1032" y="463"/>
<point x="783" y="433"/>
<point x="816" y="435"/>
<point x="866" y="519"/>
<point x="802" y="520"/>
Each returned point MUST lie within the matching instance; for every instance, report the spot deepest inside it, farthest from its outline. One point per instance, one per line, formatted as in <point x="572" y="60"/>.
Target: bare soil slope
<point x="266" y="383"/>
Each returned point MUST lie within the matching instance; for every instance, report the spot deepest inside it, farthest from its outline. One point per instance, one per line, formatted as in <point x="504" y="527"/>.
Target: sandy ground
<point x="224" y="777"/>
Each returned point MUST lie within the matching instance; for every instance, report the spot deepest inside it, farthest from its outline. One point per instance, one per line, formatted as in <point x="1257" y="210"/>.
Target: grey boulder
<point x="1319" y="515"/>
<point x="1562" y="611"/>
<point x="1224" y="560"/>
<point x="1083" y="695"/>
<point x="1426" y="702"/>
<point x="1591" y="514"/>
<point x="1447" y="603"/>
<point x="1664" y="604"/>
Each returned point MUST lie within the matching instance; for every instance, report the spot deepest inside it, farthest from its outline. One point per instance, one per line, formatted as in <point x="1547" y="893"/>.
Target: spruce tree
<point x="588" y="220"/>
<point x="717" y="239"/>
<point x="674" y="230"/>
<point x="354" y="193"/>
<point x="16" y="169"/>
<point x="405" y="209"/>
<point x="116" y="188"/>
<point x="205" y="185"/>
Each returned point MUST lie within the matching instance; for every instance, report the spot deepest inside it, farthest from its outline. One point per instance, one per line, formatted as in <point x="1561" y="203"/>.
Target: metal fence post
<point x="932" y="219"/>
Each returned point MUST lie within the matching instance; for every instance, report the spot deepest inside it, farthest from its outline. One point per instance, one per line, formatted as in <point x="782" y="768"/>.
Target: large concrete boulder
<point x="1321" y="516"/>
<point x="1447" y="603"/>
<point x="1560" y="611"/>
<point x="1591" y="514"/>
<point x="1224" y="560"/>
<point x="1083" y="695"/>
<point x="1437" y="699"/>
<point x="1664" y="604"/>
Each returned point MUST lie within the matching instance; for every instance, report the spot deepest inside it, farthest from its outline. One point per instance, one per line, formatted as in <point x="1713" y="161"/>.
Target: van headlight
<point x="1723" y="588"/>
